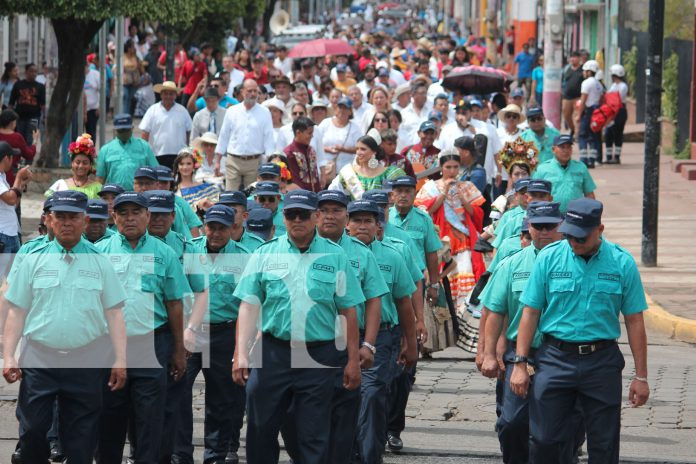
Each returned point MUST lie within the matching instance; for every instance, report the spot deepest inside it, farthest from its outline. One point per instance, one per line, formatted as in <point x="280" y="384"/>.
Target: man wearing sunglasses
<point x="570" y="178"/>
<point x="540" y="133"/>
<point x="575" y="294"/>
<point x="267" y="194"/>
<point x="269" y="172"/>
<point x="302" y="282"/>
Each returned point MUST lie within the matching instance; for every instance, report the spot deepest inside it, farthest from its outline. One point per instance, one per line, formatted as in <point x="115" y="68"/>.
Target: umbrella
<point x="321" y="47"/>
<point x="477" y="79"/>
<point x="388" y="6"/>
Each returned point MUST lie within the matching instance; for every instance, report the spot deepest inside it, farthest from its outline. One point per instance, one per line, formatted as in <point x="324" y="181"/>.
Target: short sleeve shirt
<point x="396" y="275"/>
<point x="593" y="89"/>
<point x="250" y="241"/>
<point x="185" y="218"/>
<point x="167" y="128"/>
<point x="568" y="183"/>
<point x="581" y="301"/>
<point x="65" y="299"/>
<point x="544" y="143"/>
<point x="507" y="247"/>
<point x="420" y="228"/>
<point x="300" y="294"/>
<point x="510" y="224"/>
<point x="117" y="161"/>
<point x="414" y="269"/>
<point x="151" y="274"/>
<point x="396" y="232"/>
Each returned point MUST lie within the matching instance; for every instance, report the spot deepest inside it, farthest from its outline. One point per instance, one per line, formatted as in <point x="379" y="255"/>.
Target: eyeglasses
<point x="548" y="226"/>
<point x="301" y="214"/>
<point x="512" y="116"/>
<point x="535" y="119"/>
<point x="580" y="240"/>
<point x="266" y="199"/>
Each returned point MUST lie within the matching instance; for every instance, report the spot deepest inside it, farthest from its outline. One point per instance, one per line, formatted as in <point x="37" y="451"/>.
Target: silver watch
<point x="369" y="346"/>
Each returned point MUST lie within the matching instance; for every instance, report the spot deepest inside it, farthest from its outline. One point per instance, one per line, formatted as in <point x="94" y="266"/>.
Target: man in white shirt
<point x="91" y="101"/>
<point x="416" y="112"/>
<point x="210" y="118"/>
<point x="236" y="76"/>
<point x="368" y="83"/>
<point x="283" y="87"/>
<point x="360" y="107"/>
<point x="166" y="125"/>
<point x="402" y="98"/>
<point x="245" y="137"/>
<point x="9" y="198"/>
<point x="590" y="96"/>
<point x="282" y="61"/>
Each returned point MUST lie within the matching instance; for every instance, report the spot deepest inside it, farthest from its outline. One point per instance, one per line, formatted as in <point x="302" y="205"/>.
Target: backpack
<point x="608" y="108"/>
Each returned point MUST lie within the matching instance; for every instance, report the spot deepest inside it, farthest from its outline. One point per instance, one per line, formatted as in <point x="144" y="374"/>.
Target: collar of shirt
<point x="128" y="142"/>
<point x="294" y="249"/>
<point x="141" y="242"/>
<point x="72" y="252"/>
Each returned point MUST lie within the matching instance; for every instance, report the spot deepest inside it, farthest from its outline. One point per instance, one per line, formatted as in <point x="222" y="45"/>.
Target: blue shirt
<point x="224" y="102"/>
<point x="525" y="61"/>
<point x="581" y="301"/>
<point x="538" y="76"/>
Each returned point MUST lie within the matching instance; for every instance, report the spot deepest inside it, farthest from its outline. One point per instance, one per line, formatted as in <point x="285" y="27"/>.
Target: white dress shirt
<point x="452" y="132"/>
<point x="359" y="113"/>
<point x="412" y="118"/>
<point x="8" y="215"/>
<point x="285" y="66"/>
<point x="246" y="132"/>
<point x="167" y="129"/>
<point x="205" y="121"/>
<point x="236" y="78"/>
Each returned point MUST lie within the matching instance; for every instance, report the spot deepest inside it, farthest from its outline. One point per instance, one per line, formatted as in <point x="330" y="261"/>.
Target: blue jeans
<point x="10" y="245"/>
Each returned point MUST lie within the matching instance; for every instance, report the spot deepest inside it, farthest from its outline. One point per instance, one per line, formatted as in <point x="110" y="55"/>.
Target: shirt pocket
<point x="606" y="295"/>
<point x="152" y="282"/>
<point x="561" y="287"/>
<point x="321" y="287"/>
<point x="518" y="287"/>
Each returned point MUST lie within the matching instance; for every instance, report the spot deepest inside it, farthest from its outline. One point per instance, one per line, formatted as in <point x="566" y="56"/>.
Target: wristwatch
<point x="519" y="359"/>
<point x="435" y="285"/>
<point x="369" y="346"/>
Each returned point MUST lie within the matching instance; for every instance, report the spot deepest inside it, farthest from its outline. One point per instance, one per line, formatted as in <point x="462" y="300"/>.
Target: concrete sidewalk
<point x="672" y="284"/>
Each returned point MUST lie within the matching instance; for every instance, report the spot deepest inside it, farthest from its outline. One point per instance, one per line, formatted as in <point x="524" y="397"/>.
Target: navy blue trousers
<point x="400" y="388"/>
<point x="563" y="380"/>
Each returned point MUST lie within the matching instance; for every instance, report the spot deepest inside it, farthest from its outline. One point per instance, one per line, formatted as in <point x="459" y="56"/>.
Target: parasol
<point x="321" y="47"/>
<point x="477" y="79"/>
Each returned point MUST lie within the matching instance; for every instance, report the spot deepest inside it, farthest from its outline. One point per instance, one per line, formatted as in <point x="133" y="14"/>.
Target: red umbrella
<point x="388" y="6"/>
<point x="477" y="79"/>
<point x="321" y="47"/>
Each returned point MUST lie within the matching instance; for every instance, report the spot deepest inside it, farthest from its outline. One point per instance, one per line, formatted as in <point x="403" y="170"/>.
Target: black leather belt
<point x="164" y="328"/>
<point x="581" y="348"/>
<point x="217" y="327"/>
<point x="297" y="343"/>
<point x="251" y="157"/>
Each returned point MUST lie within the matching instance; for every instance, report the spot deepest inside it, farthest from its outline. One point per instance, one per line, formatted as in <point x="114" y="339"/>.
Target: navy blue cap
<point x="387" y="185"/>
<point x="267" y="188"/>
<point x="525" y="225"/>
<point x="517" y="92"/>
<point x="220" y="213"/>
<point x="562" y="139"/>
<point x="539" y="185"/>
<point x="544" y="212"/>
<point x="381" y="197"/>
<point x="111" y="188"/>
<point x="69" y="201"/>
<point x="260" y="222"/>
<point x="345" y="101"/>
<point x="381" y="217"/>
<point x="534" y="111"/>
<point x="435" y="115"/>
<point x="47" y="204"/>
<point x="160" y="201"/>
<point x="383" y="72"/>
<point x="251" y="205"/>
<point x="476" y="102"/>
<point x="426" y="126"/>
<point x="333" y="195"/>
<point x="582" y="216"/>
<point x="270" y="169"/>
<point x="521" y="184"/>
<point x="403" y="181"/>
<point x="233" y="197"/>
<point x="341" y="67"/>
<point x="363" y="206"/>
<point x="130" y="197"/>
<point x="164" y="174"/>
<point x="97" y="209"/>
<point x="300" y="199"/>
<point x="145" y="171"/>
<point x="123" y="121"/>
<point x="463" y="104"/>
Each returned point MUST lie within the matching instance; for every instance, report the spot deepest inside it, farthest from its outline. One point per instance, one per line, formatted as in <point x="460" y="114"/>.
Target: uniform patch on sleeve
<point x="385" y="267"/>
<point x="355" y="264"/>
<point x="520" y="275"/>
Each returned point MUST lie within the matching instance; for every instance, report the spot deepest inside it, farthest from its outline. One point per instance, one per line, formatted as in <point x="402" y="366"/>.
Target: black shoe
<point x="56" y="453"/>
<point x="483" y="246"/>
<point x="394" y="443"/>
<point x="17" y="457"/>
<point x="231" y="458"/>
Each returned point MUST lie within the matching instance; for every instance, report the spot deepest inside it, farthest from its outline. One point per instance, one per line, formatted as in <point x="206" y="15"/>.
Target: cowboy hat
<point x="166" y="85"/>
<point x="511" y="108"/>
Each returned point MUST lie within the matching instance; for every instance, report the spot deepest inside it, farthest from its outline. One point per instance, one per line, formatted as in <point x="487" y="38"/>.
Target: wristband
<point x="369" y="346"/>
<point x="17" y="191"/>
<point x="640" y="379"/>
<point x="519" y="359"/>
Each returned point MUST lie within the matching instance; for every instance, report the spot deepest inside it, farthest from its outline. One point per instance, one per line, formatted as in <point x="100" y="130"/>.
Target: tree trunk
<point x="72" y="37"/>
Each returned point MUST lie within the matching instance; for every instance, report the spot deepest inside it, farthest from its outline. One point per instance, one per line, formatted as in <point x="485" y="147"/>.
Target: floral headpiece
<point x="83" y="145"/>
<point x="519" y="152"/>
<point x="284" y="171"/>
<point x="197" y="158"/>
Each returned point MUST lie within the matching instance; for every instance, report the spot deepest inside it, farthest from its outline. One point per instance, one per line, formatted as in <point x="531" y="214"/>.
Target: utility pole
<point x="553" y="61"/>
<point x="104" y="87"/>
<point x="118" y="89"/>
<point x="653" y="97"/>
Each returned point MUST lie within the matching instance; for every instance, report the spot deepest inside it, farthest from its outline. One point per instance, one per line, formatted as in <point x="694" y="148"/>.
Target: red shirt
<point x="262" y="79"/>
<point x="193" y="73"/>
<point x="399" y="161"/>
<point x="27" y="152"/>
<point x="302" y="164"/>
<point x="179" y="60"/>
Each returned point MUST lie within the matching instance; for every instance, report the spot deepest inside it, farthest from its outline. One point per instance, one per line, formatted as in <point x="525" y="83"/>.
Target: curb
<point x="675" y="327"/>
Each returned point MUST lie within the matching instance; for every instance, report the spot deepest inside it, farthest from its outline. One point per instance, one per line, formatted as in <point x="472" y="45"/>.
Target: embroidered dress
<point x="354" y="184"/>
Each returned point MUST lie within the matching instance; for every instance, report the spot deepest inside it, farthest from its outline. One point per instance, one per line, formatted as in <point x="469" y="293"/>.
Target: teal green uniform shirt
<point x="397" y="277"/>
<point x="25" y="249"/>
<point x="185" y="218"/>
<point x="544" y="143"/>
<point x="393" y="231"/>
<point x="225" y="269"/>
<point x="510" y="224"/>
<point x="278" y="223"/>
<point x="117" y="162"/>
<point x="65" y="301"/>
<point x="250" y="241"/>
<point x="364" y="265"/>
<point x="108" y="233"/>
<point x="414" y="270"/>
<point x="420" y="228"/>
<point x="569" y="183"/>
<point x="181" y="245"/>
<point x="581" y="301"/>
<point x="151" y="274"/>
<point x="300" y="294"/>
<point x="505" y="287"/>
<point x="506" y="248"/>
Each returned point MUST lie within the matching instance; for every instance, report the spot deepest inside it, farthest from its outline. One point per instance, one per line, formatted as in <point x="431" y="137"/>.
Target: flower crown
<point x="83" y="145"/>
<point x="197" y="158"/>
<point x="284" y="171"/>
<point x="519" y="152"/>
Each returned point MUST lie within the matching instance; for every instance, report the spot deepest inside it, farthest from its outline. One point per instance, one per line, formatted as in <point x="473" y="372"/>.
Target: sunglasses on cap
<point x="535" y="119"/>
<point x="548" y="226"/>
<point x="266" y="199"/>
<point x="580" y="240"/>
<point x="301" y="214"/>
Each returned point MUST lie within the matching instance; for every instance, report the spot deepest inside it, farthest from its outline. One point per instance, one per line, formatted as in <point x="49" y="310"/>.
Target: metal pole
<point x="118" y="88"/>
<point x="310" y="19"/>
<point x="653" y="96"/>
<point x="553" y="60"/>
<point x="103" y="110"/>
